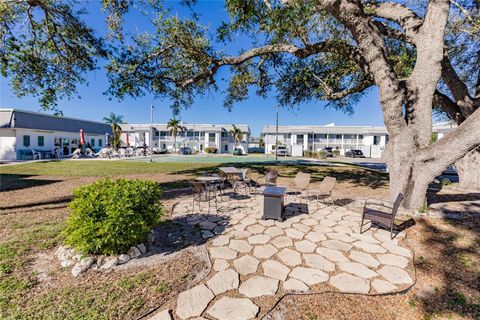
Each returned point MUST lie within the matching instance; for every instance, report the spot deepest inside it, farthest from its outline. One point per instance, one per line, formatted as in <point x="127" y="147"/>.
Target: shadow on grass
<point x="9" y="182"/>
<point x="352" y="174"/>
<point x="453" y="259"/>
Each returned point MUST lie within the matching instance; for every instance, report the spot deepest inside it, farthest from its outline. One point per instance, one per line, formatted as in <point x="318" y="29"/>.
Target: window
<point x="92" y="142"/>
<point x="339" y="136"/>
<point x="310" y="136"/>
<point x="163" y="133"/>
<point x="41" y="141"/>
<point x="360" y="136"/>
<point x="300" y="139"/>
<point x="157" y="133"/>
<point x="164" y="146"/>
<point x="211" y="137"/>
<point x="99" y="142"/>
<point x="26" y="141"/>
<point x="190" y="134"/>
<point x="376" y="140"/>
<point x="226" y="147"/>
<point x="224" y="134"/>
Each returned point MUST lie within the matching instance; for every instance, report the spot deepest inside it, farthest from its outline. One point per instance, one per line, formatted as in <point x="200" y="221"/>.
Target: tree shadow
<point x="453" y="260"/>
<point x="10" y="182"/>
<point x="186" y="231"/>
<point x="355" y="175"/>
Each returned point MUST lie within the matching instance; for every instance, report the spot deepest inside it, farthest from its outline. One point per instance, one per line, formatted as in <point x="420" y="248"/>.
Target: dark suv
<point x="354" y="153"/>
<point x="185" y="150"/>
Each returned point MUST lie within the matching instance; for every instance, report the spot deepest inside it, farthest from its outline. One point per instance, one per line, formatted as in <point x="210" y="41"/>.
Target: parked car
<point x="354" y="153"/>
<point x="329" y="151"/>
<point x="282" y="151"/>
<point x="238" y="152"/>
<point x="185" y="150"/>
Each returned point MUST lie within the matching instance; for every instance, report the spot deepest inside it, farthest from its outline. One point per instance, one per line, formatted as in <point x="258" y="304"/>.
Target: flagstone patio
<point x="311" y="251"/>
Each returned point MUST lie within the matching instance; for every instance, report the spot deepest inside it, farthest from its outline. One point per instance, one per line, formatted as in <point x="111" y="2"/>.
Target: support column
<point x="343" y="150"/>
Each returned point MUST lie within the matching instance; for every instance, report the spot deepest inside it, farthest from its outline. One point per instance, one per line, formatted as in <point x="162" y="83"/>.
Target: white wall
<point x="7" y="144"/>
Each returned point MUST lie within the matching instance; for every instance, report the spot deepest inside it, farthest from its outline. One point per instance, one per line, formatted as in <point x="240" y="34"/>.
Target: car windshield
<point x="357" y="151"/>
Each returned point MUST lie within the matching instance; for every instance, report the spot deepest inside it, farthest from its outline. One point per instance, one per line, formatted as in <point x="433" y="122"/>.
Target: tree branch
<point x="443" y="102"/>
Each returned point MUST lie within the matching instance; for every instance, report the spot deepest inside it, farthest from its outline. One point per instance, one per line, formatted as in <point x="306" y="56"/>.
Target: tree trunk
<point x="468" y="169"/>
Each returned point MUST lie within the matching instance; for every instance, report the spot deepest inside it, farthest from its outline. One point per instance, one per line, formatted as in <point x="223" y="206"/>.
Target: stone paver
<point x="220" y="264"/>
<point x="310" y="276"/>
<point x="337" y="245"/>
<point x="331" y="254"/>
<point x="259" y="239"/>
<point x="255" y="228"/>
<point x="364" y="258"/>
<point x="282" y="242"/>
<point x="382" y="286"/>
<point x="393" y="260"/>
<point x="259" y="286"/>
<point x="301" y="227"/>
<point x="315" y="236"/>
<point x="290" y="257"/>
<point x="346" y="282"/>
<point x="275" y="270"/>
<point x="273" y="231"/>
<point x="240" y="246"/>
<point x="305" y="246"/>
<point x="340" y="236"/>
<point x="223" y="281"/>
<point x="220" y="241"/>
<point x="246" y="265"/>
<point x="233" y="309"/>
<point x="222" y="253"/>
<point x="163" y="315"/>
<point x="395" y="275"/>
<point x="192" y="302"/>
<point x="395" y="249"/>
<point x="369" y="247"/>
<point x="294" y="234"/>
<point x="294" y="285"/>
<point x="319" y="262"/>
<point x="264" y="251"/>
<point x="357" y="269"/>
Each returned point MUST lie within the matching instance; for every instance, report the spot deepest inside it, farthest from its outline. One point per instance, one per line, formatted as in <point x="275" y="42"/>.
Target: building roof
<point x="189" y="126"/>
<point x="15" y="118"/>
<point x="330" y="128"/>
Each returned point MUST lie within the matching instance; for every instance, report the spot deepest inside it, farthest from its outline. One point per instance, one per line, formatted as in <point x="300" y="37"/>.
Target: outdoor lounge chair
<point x="271" y="178"/>
<point x="382" y="214"/>
<point x="201" y="193"/>
<point x="300" y="184"/>
<point x="324" y="190"/>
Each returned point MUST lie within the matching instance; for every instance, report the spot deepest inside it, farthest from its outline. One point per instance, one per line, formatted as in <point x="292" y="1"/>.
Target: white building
<point x="196" y="136"/>
<point x="22" y="131"/>
<point x="371" y="140"/>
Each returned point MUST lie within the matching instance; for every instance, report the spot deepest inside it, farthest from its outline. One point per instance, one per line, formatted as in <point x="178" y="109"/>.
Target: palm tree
<point x="175" y="126"/>
<point x="237" y="134"/>
<point x="115" y="121"/>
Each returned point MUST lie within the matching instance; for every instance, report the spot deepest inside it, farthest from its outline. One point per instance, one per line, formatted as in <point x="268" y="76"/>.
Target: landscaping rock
<point x="142" y="248"/>
<point x="134" y="252"/>
<point x="82" y="266"/>
<point x="123" y="258"/>
<point x="109" y="262"/>
<point x="193" y="302"/>
<point x="223" y="281"/>
<point x="233" y="309"/>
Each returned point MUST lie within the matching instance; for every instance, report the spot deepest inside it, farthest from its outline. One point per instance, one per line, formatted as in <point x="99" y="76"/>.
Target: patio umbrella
<point x="82" y="137"/>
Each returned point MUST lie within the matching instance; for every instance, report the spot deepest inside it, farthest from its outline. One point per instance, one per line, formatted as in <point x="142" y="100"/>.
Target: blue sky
<point x="92" y="104"/>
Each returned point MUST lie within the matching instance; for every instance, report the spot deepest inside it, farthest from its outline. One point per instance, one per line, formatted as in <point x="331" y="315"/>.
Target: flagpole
<point x="151" y="132"/>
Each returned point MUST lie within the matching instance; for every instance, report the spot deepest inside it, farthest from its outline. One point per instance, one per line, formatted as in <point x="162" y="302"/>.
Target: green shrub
<point x="307" y="153"/>
<point x="211" y="150"/>
<point x="336" y="153"/>
<point x="314" y="154"/>
<point x="110" y="216"/>
<point x="322" y="154"/>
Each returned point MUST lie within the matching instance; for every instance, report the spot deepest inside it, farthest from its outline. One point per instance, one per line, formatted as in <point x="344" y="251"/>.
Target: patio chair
<point x="271" y="178"/>
<point x="300" y="184"/>
<point x="242" y="181"/>
<point x="201" y="193"/>
<point x="383" y="214"/>
<point x="36" y="155"/>
<point x="324" y="190"/>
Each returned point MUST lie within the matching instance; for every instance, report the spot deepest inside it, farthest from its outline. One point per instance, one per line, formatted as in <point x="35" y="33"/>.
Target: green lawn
<point x="95" y="168"/>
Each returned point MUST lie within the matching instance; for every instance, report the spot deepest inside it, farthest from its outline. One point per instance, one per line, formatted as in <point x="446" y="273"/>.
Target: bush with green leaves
<point x="211" y="150"/>
<point x="322" y="154"/>
<point x="109" y="216"/>
<point x="336" y="153"/>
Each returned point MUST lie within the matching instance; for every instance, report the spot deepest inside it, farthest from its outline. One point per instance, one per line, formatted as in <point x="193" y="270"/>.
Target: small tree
<point x="236" y="134"/>
<point x="175" y="126"/>
<point x="114" y="121"/>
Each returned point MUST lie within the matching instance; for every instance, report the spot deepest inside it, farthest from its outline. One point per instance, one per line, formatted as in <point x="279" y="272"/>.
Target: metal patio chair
<point x="300" y="184"/>
<point x="324" y="190"/>
<point x="201" y="193"/>
<point x="382" y="214"/>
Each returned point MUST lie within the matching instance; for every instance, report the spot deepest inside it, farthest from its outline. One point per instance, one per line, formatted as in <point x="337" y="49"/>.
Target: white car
<point x="282" y="151"/>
